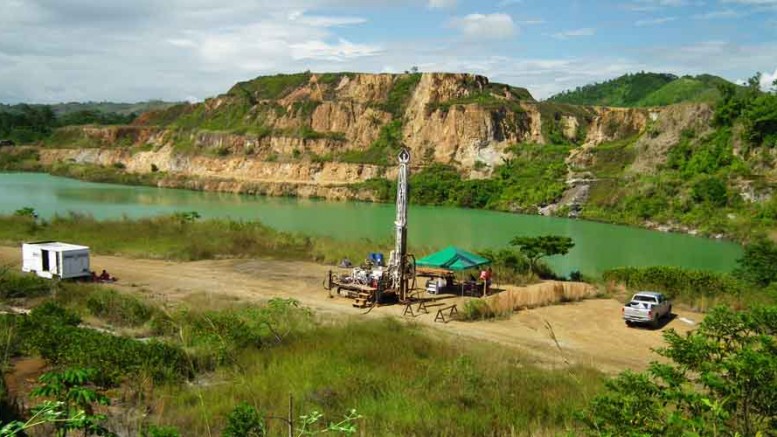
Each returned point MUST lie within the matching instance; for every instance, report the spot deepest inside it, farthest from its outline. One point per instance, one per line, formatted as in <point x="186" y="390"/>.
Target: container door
<point x="45" y="259"/>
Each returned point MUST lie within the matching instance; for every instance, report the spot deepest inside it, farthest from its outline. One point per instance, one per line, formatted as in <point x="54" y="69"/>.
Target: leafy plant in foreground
<point x="718" y="380"/>
<point x="70" y="388"/>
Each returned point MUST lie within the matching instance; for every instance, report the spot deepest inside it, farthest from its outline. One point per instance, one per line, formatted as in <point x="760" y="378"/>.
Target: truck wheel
<point x="629" y="323"/>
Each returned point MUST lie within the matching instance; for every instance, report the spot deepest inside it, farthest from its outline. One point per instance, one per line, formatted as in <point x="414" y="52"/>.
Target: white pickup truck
<point x="646" y="307"/>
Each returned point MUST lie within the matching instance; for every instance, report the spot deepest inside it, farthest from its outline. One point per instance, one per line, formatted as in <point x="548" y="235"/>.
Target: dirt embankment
<point x="588" y="332"/>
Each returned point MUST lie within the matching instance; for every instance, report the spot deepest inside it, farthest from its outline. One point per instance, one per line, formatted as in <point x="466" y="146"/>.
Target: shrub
<point x="757" y="265"/>
<point x="118" y="309"/>
<point x="244" y="421"/>
<point x="13" y="285"/>
<point x="681" y="284"/>
<point x="477" y="309"/>
<point x="53" y="332"/>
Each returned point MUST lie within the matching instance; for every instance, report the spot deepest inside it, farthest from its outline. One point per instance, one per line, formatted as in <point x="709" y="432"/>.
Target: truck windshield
<point x="639" y="298"/>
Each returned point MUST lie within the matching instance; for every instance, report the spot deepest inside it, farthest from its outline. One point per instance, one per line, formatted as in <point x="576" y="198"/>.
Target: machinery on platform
<point x="374" y="283"/>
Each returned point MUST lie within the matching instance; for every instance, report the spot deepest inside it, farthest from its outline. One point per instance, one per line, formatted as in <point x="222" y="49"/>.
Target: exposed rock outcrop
<point x="309" y="134"/>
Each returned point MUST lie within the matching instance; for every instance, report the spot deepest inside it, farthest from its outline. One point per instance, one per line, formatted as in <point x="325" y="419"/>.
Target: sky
<point x="132" y="50"/>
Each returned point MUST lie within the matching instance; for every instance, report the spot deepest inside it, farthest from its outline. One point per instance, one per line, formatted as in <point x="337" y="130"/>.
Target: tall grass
<point x="178" y="238"/>
<point x="401" y="379"/>
<point x="698" y="288"/>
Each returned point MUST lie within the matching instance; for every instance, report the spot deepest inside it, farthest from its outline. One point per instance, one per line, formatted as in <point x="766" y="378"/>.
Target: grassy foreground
<point x="401" y="378"/>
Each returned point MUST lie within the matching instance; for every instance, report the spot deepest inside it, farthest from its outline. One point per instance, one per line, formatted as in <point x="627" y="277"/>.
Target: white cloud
<point x="531" y="22"/>
<point x="324" y="21"/>
<point x="485" y="26"/>
<point x="441" y="4"/>
<point x="654" y="21"/>
<point x="52" y="50"/>
<point x="768" y="79"/>
<point x="340" y="51"/>
<point x="575" y="33"/>
<point x="713" y="15"/>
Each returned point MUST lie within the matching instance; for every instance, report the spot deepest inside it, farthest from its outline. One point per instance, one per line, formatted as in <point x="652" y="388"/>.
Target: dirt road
<point x="590" y="332"/>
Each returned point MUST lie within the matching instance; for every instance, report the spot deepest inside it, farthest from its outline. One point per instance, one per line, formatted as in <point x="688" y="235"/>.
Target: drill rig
<point x="374" y="284"/>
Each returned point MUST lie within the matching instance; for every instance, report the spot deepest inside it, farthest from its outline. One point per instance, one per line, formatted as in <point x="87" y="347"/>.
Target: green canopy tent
<point x="453" y="258"/>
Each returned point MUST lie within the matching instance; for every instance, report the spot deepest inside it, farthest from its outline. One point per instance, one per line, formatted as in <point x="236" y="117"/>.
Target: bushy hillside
<point x="23" y="123"/>
<point x="645" y="89"/>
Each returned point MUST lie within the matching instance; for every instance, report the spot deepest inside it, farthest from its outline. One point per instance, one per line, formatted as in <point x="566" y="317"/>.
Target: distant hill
<point x="111" y="107"/>
<point x="645" y="89"/>
<point x="103" y="107"/>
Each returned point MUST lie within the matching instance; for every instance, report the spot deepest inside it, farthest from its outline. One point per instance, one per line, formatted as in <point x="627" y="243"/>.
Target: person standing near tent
<point x="485" y="276"/>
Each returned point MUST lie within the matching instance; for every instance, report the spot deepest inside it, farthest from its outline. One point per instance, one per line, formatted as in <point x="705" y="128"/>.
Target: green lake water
<point x="597" y="246"/>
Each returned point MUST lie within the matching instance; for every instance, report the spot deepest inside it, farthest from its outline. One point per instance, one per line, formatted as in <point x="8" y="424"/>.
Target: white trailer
<point x="50" y="259"/>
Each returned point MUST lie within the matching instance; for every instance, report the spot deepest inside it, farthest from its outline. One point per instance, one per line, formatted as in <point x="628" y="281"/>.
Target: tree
<point x="27" y="211"/>
<point x="719" y="380"/>
<point x="757" y="265"/>
<point x="536" y="248"/>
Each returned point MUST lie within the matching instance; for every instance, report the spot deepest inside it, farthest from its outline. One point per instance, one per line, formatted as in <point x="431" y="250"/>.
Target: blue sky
<point x="79" y="50"/>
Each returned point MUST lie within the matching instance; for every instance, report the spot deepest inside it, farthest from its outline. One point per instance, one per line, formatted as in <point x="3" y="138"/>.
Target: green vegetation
<point x="269" y="87"/>
<point x="400" y="94"/>
<point x="534" y="175"/>
<point x="72" y="408"/>
<point x="176" y="237"/>
<point x="645" y="89"/>
<point x="699" y="184"/>
<point x="52" y="332"/>
<point x="700" y="289"/>
<point x="244" y="421"/>
<point x="720" y="379"/>
<point x="20" y="159"/>
<point x="382" y="151"/>
<point x="754" y="282"/>
<point x="536" y="248"/>
<point x="25" y="124"/>
<point x="492" y="97"/>
<point x="402" y="381"/>
<point x="757" y="264"/>
<point x="125" y="109"/>
<point x="98" y="173"/>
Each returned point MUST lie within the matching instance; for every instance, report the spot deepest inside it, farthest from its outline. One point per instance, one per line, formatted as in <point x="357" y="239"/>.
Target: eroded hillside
<point x="474" y="144"/>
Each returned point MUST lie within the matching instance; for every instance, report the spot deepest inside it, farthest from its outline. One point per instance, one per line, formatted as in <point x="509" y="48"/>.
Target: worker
<point x="485" y="276"/>
<point x="104" y="276"/>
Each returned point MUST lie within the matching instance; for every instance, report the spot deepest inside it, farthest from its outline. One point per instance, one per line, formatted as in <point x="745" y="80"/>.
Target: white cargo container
<point x="50" y="259"/>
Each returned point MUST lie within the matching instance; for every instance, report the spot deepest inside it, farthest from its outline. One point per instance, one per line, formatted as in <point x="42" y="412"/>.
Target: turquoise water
<point x="597" y="246"/>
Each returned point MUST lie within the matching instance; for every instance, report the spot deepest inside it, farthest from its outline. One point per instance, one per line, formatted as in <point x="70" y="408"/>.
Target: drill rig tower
<point x="370" y="285"/>
<point x="399" y="264"/>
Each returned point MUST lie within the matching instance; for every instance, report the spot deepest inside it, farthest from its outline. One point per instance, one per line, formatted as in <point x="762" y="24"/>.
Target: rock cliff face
<point x="313" y="135"/>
